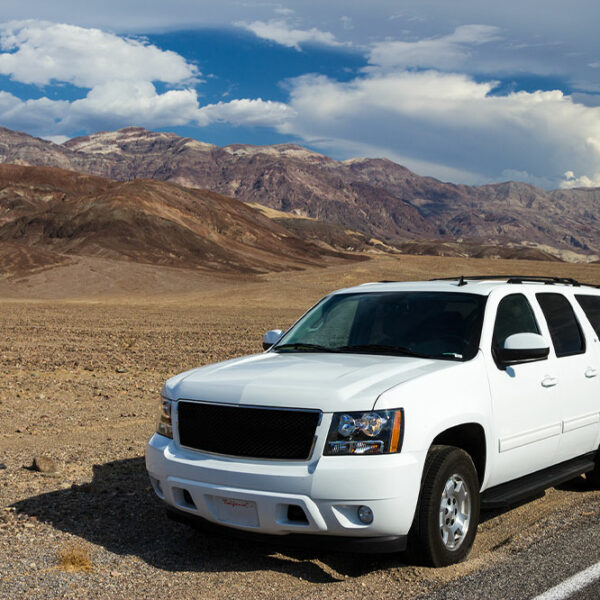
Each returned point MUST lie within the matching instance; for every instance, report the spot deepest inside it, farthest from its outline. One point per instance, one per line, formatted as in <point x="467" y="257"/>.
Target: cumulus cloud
<point x="443" y="52"/>
<point x="281" y="32"/>
<point x="40" y="52"/>
<point x="246" y="112"/>
<point x="449" y="121"/>
<point x="117" y="75"/>
<point x="131" y="102"/>
<point x="571" y="181"/>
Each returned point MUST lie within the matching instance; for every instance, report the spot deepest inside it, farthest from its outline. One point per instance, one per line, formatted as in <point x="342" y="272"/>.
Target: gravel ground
<point x="79" y="383"/>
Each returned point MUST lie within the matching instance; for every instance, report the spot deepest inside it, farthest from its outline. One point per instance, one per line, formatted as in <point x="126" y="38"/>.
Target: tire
<point x="449" y="494"/>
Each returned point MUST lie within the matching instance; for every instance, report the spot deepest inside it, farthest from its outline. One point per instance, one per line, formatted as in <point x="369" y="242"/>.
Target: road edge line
<point x="572" y="585"/>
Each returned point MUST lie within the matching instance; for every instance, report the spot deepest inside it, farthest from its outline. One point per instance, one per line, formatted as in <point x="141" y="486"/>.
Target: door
<point x="577" y="371"/>
<point x="525" y="397"/>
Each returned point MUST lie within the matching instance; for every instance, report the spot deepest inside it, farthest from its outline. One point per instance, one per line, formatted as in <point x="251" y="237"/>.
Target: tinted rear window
<point x="564" y="329"/>
<point x="591" y="307"/>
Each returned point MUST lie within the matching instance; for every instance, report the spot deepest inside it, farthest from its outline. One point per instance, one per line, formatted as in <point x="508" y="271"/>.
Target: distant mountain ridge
<point x="374" y="196"/>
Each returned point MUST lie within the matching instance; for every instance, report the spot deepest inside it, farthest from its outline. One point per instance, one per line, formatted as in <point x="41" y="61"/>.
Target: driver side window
<point x="514" y="315"/>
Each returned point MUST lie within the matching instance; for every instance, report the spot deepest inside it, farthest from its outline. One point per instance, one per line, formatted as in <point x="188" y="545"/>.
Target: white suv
<point x="388" y="414"/>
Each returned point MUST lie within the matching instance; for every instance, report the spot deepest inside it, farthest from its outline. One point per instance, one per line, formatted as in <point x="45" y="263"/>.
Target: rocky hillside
<point x="49" y="215"/>
<point x="374" y="196"/>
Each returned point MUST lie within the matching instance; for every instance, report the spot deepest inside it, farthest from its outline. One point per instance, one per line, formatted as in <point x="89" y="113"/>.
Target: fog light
<point x="365" y="514"/>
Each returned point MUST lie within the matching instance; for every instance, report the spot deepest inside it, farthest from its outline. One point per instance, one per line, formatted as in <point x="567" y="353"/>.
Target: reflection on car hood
<point x="329" y="382"/>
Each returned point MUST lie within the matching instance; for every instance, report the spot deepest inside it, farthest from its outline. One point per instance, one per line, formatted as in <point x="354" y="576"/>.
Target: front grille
<point x="252" y="432"/>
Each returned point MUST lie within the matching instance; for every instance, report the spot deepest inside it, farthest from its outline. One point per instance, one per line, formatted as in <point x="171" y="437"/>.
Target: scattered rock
<point x="86" y="488"/>
<point x="2" y="466"/>
<point x="121" y="370"/>
<point x="44" y="464"/>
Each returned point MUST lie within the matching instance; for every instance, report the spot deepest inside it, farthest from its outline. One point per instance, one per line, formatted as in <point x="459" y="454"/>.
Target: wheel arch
<point x="469" y="437"/>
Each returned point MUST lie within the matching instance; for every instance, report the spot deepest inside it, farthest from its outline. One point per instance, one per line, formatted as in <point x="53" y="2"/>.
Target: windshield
<point x="442" y="325"/>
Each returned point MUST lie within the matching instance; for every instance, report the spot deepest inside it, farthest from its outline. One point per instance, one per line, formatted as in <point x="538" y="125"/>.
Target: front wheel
<point x="448" y="512"/>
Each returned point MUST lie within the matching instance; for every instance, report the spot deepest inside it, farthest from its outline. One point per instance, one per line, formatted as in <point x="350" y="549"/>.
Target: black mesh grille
<point x="247" y="431"/>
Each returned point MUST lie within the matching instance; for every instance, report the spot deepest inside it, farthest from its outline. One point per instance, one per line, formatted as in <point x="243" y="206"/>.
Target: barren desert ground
<point x="81" y="367"/>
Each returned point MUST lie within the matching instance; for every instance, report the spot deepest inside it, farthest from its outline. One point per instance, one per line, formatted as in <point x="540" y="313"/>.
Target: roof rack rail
<point x="464" y="279"/>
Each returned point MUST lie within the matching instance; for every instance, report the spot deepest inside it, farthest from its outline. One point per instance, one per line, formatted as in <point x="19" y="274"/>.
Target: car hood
<point x="328" y="382"/>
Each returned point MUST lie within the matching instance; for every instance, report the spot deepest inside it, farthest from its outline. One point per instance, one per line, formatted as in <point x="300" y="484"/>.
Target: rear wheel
<point x="448" y="512"/>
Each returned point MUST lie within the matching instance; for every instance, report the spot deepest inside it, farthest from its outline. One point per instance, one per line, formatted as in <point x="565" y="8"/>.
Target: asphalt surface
<point x="591" y="592"/>
<point x="559" y="555"/>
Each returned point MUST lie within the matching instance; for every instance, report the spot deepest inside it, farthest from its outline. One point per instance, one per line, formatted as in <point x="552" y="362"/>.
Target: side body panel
<point x="525" y="403"/>
<point x="580" y="387"/>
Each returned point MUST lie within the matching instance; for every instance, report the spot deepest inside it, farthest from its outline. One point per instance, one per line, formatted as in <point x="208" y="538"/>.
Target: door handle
<point x="591" y="372"/>
<point x="549" y="381"/>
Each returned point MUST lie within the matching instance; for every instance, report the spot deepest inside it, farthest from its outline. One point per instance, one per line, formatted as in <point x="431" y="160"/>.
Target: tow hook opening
<point x="183" y="498"/>
<point x="296" y="514"/>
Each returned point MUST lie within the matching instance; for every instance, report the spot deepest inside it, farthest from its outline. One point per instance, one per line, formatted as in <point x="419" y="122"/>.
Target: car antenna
<point x="462" y="281"/>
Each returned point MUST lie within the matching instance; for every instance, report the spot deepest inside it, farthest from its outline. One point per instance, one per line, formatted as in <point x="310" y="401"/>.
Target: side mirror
<point x="522" y="347"/>
<point x="271" y="337"/>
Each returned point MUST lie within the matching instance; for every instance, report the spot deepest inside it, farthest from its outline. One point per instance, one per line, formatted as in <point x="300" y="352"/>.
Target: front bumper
<point x="255" y="495"/>
<point x="367" y="545"/>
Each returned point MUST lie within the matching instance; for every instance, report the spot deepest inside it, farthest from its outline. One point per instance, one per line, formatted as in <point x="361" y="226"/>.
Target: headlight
<point x="165" y="426"/>
<point x="373" y="432"/>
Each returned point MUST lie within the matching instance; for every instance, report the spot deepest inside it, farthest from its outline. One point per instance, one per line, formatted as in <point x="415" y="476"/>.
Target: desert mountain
<point x="377" y="197"/>
<point x="49" y="216"/>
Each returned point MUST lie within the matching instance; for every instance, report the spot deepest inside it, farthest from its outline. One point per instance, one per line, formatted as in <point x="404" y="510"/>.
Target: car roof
<point x="473" y="285"/>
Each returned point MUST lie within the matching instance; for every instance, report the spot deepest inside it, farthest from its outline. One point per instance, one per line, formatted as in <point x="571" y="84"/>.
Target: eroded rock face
<point x="375" y="196"/>
<point x="49" y="216"/>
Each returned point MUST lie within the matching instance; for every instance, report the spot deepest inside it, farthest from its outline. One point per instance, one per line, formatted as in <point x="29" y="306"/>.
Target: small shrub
<point x="74" y="557"/>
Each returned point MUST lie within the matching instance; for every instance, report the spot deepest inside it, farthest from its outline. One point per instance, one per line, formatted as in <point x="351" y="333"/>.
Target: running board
<point x="518" y="490"/>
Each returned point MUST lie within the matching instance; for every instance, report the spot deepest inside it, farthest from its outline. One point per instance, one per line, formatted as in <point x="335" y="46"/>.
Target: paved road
<point x="531" y="573"/>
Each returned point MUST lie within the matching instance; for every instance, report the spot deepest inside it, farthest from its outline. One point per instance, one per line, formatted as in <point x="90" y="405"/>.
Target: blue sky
<point x="462" y="90"/>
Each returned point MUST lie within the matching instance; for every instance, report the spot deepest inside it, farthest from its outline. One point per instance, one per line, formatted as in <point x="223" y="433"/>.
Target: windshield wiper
<point x="303" y="347"/>
<point x="448" y="356"/>
<point x="381" y="349"/>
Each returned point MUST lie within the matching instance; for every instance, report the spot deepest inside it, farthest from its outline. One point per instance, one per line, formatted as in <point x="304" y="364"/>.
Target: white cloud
<point x="246" y="112"/>
<point x="38" y="117"/>
<point x="570" y="181"/>
<point x="281" y="32"/>
<point x="444" y="52"/>
<point x="58" y="139"/>
<point x="120" y="103"/>
<point x="119" y="75"/>
<point x="449" y="121"/>
<point x="39" y="52"/>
